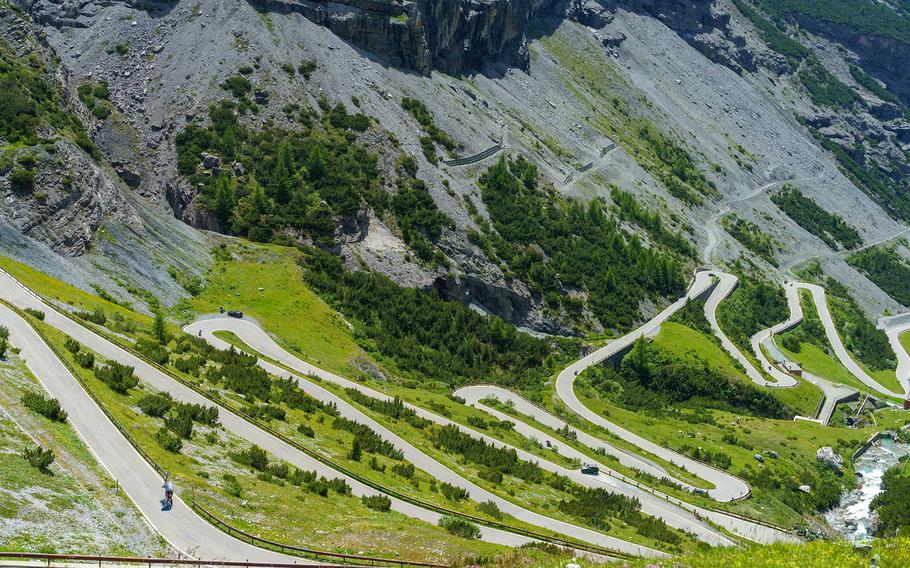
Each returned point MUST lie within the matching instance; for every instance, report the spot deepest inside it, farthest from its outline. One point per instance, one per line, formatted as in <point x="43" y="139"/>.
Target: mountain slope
<point x="707" y="113"/>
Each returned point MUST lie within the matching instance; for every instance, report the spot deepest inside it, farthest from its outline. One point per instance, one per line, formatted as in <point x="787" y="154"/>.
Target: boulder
<point x="261" y="96"/>
<point x="589" y="13"/>
<point x="612" y="39"/>
<point x="210" y="161"/>
<point x="829" y="457"/>
<point x="805" y="489"/>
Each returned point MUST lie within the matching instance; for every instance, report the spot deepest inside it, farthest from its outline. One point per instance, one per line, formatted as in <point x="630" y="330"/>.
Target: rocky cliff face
<point x="449" y="35"/>
<point x="882" y="57"/>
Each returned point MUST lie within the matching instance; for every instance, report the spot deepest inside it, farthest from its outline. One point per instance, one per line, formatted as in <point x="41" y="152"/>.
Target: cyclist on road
<point x="168" y="495"/>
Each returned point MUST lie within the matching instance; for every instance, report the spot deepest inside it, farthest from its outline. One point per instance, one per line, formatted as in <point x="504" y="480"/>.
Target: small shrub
<point x="490" y="508"/>
<point x="379" y="503"/>
<point x="254" y="457"/>
<point x="119" y="377"/>
<point x="356" y="450"/>
<point x="453" y="493"/>
<point x="231" y="486"/>
<point x="101" y="111"/>
<point x="405" y="470"/>
<point x="306" y="68"/>
<point x="45" y="406"/>
<point x="153" y="350"/>
<point x="376" y="466"/>
<point x="168" y="440"/>
<point x="95" y="316"/>
<point x="39" y="458"/>
<point x="306" y="430"/>
<point x="460" y="527"/>
<point x="22" y="180"/>
<point x="237" y="85"/>
<point x="37" y="314"/>
<point x="72" y="345"/>
<point x="477" y="422"/>
<point x="85" y="359"/>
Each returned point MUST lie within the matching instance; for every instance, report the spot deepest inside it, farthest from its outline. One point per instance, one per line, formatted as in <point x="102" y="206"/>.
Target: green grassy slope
<point x="72" y="509"/>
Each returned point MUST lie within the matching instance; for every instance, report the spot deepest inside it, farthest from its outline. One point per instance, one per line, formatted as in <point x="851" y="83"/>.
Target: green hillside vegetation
<point x="869" y="176"/>
<point x="772" y="35"/>
<point x="752" y="237"/>
<point x="424" y="335"/>
<point x="302" y="180"/>
<point x="290" y="311"/>
<point x="823" y="87"/>
<point x="30" y="100"/>
<point x="872" y="85"/>
<point x="868" y="344"/>
<point x="890" y="20"/>
<point x="682" y="339"/>
<point x="628" y="209"/>
<point x="829" y="227"/>
<point x="891" y="504"/>
<point x="434" y="135"/>
<point x="651" y="379"/>
<point x="753" y="306"/>
<point x="885" y="267"/>
<point x="888" y="553"/>
<point x="557" y="245"/>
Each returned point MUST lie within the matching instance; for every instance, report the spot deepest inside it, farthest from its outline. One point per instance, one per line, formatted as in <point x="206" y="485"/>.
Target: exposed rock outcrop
<point x="449" y="35"/>
<point x="827" y="456"/>
<point x="702" y="23"/>
<point x="882" y="57"/>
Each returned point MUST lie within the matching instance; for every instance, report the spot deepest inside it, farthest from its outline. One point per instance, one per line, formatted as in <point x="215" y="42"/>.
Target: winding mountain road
<point x="181" y="527"/>
<point x="716" y="285"/>
<point x="474" y="395"/>
<point x="833" y="392"/>
<point x="821" y="304"/>
<point x="894" y="333"/>
<point x="725" y="286"/>
<point x="262" y="344"/>
<point x="15" y="293"/>
<point x="726" y="486"/>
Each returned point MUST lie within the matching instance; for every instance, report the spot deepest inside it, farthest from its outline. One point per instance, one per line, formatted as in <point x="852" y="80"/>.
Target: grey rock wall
<point x="448" y="35"/>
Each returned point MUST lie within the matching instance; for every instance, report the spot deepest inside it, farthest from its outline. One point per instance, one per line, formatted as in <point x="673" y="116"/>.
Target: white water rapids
<point x="852" y="518"/>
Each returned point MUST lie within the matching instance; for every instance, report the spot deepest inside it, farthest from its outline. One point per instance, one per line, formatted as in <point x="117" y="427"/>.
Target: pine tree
<point x="158" y="328"/>
<point x="260" y="202"/>
<point x="224" y="198"/>
<point x="281" y="175"/>
<point x="356" y="451"/>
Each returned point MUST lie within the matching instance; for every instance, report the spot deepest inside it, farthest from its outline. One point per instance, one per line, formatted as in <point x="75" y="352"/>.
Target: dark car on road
<point x="235" y="314"/>
<point x="590" y="469"/>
